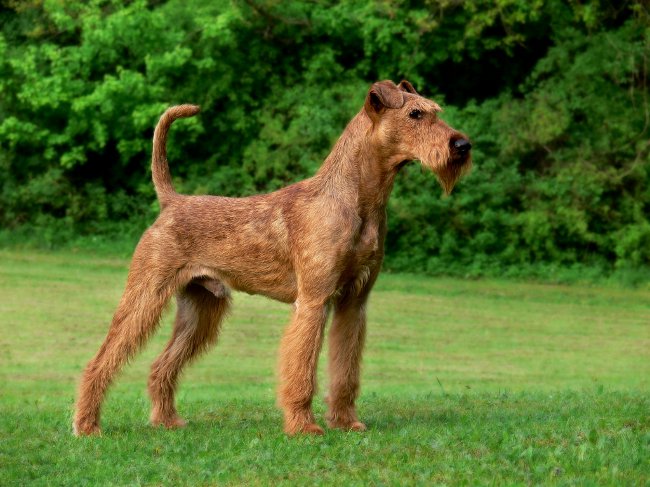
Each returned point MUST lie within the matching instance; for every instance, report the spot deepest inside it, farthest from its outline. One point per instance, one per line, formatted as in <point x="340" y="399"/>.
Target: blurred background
<point x="553" y="93"/>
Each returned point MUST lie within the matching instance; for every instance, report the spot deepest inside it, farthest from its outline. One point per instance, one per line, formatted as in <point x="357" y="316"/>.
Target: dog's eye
<point x="415" y="114"/>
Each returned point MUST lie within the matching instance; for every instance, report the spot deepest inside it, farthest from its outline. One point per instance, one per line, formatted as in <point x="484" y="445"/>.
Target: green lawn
<point x="469" y="382"/>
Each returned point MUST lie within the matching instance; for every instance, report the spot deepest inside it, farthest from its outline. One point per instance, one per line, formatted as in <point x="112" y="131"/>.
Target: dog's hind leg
<point x="149" y="286"/>
<point x="202" y="305"/>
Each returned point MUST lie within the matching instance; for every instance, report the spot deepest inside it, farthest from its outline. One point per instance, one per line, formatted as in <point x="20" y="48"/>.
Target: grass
<point x="465" y="382"/>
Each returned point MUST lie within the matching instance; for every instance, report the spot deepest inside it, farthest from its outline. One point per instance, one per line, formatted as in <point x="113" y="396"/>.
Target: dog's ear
<point x="406" y="86"/>
<point x="383" y="95"/>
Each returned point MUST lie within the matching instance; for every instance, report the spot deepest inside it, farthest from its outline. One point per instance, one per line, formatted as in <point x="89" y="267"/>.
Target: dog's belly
<point x="271" y="285"/>
<point x="271" y="279"/>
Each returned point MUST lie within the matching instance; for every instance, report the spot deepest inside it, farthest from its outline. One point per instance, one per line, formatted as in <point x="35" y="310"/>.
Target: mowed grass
<point x="464" y="382"/>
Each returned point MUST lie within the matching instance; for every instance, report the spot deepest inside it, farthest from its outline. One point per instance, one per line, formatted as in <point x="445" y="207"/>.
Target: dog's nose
<point x="462" y="145"/>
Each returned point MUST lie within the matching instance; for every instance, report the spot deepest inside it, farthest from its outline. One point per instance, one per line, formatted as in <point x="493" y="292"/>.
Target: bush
<point x="553" y="94"/>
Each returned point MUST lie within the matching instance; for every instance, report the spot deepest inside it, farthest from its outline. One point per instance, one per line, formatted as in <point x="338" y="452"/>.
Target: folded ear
<point x="383" y="95"/>
<point x="406" y="86"/>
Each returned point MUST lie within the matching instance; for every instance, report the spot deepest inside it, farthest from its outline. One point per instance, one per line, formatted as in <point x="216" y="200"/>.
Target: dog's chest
<point x="367" y="247"/>
<point x="367" y="255"/>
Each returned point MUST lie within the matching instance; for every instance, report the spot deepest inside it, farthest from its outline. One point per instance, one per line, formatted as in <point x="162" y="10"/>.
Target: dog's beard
<point x="448" y="169"/>
<point x="451" y="172"/>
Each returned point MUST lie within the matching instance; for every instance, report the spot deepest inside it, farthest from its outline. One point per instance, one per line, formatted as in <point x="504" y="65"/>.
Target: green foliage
<point x="553" y="93"/>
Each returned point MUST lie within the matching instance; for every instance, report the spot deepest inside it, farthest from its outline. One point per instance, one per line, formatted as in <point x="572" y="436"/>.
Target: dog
<point x="317" y="244"/>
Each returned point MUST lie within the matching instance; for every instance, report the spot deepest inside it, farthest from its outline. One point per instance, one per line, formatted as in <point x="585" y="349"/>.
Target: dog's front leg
<point x="346" y="339"/>
<point x="299" y="351"/>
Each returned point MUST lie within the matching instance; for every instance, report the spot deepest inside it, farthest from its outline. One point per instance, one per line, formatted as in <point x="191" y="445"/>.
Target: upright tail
<point x="162" y="179"/>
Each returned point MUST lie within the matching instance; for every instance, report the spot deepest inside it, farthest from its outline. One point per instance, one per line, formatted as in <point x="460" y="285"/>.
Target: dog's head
<point x="407" y="127"/>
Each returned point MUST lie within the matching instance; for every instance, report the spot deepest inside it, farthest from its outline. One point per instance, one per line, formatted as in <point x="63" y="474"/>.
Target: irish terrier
<point x="317" y="244"/>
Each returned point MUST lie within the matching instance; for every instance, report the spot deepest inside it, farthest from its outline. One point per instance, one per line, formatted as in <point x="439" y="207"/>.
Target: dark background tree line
<point x="554" y="94"/>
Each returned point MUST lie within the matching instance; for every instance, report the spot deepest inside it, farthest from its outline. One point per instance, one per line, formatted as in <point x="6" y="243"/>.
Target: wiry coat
<point x="317" y="244"/>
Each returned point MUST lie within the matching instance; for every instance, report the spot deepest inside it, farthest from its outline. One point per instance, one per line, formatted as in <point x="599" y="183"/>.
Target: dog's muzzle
<point x="462" y="146"/>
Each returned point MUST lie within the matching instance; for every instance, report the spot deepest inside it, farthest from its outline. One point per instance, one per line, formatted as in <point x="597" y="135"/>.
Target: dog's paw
<point x="86" y="429"/>
<point x="357" y="426"/>
<point x="347" y="425"/>
<point x="173" y="422"/>
<point x="305" y="429"/>
<point x="312" y="429"/>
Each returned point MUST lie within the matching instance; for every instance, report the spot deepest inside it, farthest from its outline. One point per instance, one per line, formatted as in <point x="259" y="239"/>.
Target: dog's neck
<point x="357" y="170"/>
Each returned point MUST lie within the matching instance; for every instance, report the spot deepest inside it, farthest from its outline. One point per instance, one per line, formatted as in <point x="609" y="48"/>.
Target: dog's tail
<point x="162" y="179"/>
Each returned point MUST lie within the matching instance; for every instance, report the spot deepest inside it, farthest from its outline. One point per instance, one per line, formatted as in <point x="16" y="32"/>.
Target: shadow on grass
<point x="381" y="414"/>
